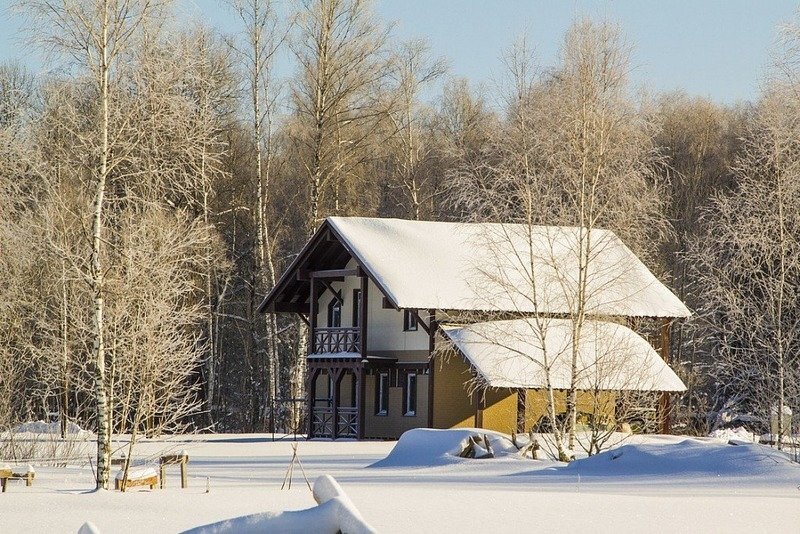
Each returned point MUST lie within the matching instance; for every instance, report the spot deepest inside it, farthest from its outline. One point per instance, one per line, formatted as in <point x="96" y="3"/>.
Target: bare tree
<point x="574" y="151"/>
<point x="413" y="70"/>
<point x="338" y="47"/>
<point x="263" y="35"/>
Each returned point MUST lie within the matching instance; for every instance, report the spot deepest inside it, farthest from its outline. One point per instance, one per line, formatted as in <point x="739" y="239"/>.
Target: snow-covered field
<point x="653" y="484"/>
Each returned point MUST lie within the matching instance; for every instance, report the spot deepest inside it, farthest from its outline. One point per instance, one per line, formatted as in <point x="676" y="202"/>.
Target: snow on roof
<point x="514" y="354"/>
<point x="502" y="267"/>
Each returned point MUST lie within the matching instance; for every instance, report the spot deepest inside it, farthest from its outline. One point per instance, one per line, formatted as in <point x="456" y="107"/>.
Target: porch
<point x="337" y="391"/>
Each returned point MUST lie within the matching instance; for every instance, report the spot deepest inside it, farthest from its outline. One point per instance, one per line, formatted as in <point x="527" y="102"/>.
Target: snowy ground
<point x="658" y="484"/>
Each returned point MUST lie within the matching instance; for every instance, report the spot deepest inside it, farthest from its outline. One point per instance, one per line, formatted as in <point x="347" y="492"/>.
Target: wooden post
<point x="521" y="398"/>
<point x="664" y="400"/>
<point x="361" y="395"/>
<point x="337" y="373"/>
<point x="311" y="392"/>
<point x="184" y="478"/>
<point x="432" y="325"/>
<point x="362" y="310"/>
<point x="312" y="316"/>
<point x="477" y="399"/>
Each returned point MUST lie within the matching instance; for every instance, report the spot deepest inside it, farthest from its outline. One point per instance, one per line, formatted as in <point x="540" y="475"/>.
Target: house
<point x="406" y="317"/>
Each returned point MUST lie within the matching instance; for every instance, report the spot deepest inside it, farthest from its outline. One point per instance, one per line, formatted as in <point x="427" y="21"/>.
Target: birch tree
<point x="574" y="151"/>
<point x="263" y="35"/>
<point x="339" y="49"/>
<point x="413" y="71"/>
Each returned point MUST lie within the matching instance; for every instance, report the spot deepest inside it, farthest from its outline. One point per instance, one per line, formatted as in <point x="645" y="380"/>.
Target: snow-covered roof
<point x="515" y="354"/>
<point x="502" y="267"/>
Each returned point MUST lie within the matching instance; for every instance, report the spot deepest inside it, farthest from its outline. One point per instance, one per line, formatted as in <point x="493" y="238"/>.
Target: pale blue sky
<point x="715" y="48"/>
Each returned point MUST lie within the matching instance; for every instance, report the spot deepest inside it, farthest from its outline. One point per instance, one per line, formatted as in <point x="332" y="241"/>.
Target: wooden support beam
<point x="420" y="322"/>
<point x="362" y="310"/>
<point x="312" y="315"/>
<point x="431" y="364"/>
<point x="334" y="273"/>
<point x="521" y="404"/>
<point x="327" y="285"/>
<point x="336" y="380"/>
<point x="290" y="307"/>
<point x="304" y="319"/>
<point x="361" y="396"/>
<point x="311" y="393"/>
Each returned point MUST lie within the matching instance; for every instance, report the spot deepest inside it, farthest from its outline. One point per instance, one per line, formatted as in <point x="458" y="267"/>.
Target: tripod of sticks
<point x="290" y="470"/>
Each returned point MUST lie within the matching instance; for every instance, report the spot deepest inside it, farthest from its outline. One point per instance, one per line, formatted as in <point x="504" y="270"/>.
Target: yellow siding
<point x="452" y="406"/>
<point x="500" y="412"/>
<point x="395" y="422"/>
<point x="536" y="404"/>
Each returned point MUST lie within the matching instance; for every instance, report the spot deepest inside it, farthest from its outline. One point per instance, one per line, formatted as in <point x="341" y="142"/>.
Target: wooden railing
<point x="346" y="425"/>
<point x="338" y="339"/>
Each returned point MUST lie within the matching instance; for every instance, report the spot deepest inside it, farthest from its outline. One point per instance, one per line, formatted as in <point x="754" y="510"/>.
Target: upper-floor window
<point x="335" y="313"/>
<point x="409" y="321"/>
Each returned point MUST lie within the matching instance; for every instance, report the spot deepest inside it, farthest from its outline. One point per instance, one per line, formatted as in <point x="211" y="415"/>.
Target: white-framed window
<point x="410" y="395"/>
<point x="334" y="313"/>
<point x="409" y="321"/>
<point x="382" y="394"/>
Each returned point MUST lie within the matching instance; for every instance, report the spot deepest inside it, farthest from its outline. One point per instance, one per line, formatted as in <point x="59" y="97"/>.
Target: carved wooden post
<point x="312" y="316"/>
<point x="311" y="389"/>
<point x="431" y="364"/>
<point x="362" y="310"/>
<point x="336" y="378"/>
<point x="361" y="389"/>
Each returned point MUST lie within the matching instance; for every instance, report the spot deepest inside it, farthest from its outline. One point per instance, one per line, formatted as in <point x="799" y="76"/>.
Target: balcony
<point x="336" y="339"/>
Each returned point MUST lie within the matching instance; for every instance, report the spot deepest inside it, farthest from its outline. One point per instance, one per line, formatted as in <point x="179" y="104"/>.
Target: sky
<point x="719" y="49"/>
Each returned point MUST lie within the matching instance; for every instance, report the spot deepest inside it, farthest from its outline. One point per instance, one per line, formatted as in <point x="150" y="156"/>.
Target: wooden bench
<point x="181" y="459"/>
<point x="137" y="476"/>
<point x="151" y="481"/>
<point x="7" y="474"/>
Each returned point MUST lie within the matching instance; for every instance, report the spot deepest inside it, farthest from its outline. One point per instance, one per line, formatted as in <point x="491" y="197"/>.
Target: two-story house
<point x="404" y="316"/>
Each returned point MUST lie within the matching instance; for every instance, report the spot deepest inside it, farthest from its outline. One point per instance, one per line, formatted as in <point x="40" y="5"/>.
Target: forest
<point x="161" y="175"/>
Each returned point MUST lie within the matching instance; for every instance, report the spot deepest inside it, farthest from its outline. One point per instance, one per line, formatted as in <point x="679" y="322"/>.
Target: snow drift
<point x="687" y="458"/>
<point x="334" y="513"/>
<point x="427" y="447"/>
<point x="41" y="427"/>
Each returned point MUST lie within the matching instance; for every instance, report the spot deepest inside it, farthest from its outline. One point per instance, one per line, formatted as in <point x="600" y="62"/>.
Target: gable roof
<point x="510" y="354"/>
<point x="494" y="267"/>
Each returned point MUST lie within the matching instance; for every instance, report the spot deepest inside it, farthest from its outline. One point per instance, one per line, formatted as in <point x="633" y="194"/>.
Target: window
<point x="382" y="394"/>
<point x="335" y="313"/>
<point x="356" y="306"/>
<point x="409" y="321"/>
<point x="410" y="395"/>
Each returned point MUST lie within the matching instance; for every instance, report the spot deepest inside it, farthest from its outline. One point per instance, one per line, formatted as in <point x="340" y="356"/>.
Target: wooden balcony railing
<point x="338" y="339"/>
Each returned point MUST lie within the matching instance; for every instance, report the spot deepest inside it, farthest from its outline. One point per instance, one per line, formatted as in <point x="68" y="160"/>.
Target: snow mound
<point x="427" y="447"/>
<point x="88" y="528"/>
<point x="40" y="427"/>
<point x="690" y="457"/>
<point x="738" y="433"/>
<point x="334" y="513"/>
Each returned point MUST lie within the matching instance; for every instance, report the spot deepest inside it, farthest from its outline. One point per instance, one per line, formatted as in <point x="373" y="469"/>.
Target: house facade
<point x="394" y="311"/>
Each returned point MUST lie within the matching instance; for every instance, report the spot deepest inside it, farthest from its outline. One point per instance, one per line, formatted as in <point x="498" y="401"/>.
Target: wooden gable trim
<point x="325" y="232"/>
<point x="360" y="262"/>
<point x="322" y="234"/>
